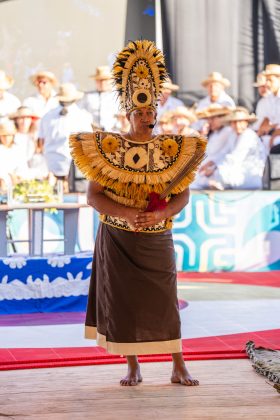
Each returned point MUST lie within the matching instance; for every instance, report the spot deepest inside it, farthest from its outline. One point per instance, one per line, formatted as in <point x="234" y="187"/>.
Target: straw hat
<point x="24" y="112"/>
<point x="44" y="74"/>
<point x="240" y="114"/>
<point x="102" y="73"/>
<point x="68" y="93"/>
<point x="183" y="111"/>
<point x="168" y="85"/>
<point x="213" y="110"/>
<point x="166" y="117"/>
<point x="272" y="70"/>
<point x="7" y="128"/>
<point x="261" y="80"/>
<point x="5" y="81"/>
<point x="216" y="77"/>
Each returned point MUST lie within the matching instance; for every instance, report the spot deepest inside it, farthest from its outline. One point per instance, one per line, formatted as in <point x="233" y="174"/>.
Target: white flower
<point x="59" y="261"/>
<point x="15" y="262"/>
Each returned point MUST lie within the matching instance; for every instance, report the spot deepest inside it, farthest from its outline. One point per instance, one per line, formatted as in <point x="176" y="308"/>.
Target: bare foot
<point x="180" y="374"/>
<point x="133" y="376"/>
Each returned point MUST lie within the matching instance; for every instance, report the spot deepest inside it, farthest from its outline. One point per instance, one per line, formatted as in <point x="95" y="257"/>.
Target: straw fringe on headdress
<point x="139" y="73"/>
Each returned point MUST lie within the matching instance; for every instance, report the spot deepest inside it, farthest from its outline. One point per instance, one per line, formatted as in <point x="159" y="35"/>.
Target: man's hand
<point x="147" y="219"/>
<point x="130" y="216"/>
<point x="208" y="168"/>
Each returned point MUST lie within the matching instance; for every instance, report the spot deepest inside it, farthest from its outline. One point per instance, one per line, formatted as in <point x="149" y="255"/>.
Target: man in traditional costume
<point x="132" y="306"/>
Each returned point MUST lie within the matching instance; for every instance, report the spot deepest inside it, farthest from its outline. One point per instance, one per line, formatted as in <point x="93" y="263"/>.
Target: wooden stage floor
<point x="230" y="389"/>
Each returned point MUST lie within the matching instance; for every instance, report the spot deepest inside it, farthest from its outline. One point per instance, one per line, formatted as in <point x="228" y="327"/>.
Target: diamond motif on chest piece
<point x="136" y="158"/>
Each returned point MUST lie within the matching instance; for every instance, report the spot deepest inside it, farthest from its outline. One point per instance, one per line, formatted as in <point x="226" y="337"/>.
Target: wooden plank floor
<point x="229" y="389"/>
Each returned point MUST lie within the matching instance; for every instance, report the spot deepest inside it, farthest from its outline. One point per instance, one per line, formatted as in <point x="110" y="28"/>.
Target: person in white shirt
<point x="168" y="102"/>
<point x="26" y="140"/>
<point x="218" y="146"/>
<point x="57" y="125"/>
<point x="215" y="84"/>
<point x="268" y="109"/>
<point x="102" y="104"/>
<point x="45" y="99"/>
<point x="181" y="119"/>
<point x="8" y="102"/>
<point x="13" y="166"/>
<point x="243" y="165"/>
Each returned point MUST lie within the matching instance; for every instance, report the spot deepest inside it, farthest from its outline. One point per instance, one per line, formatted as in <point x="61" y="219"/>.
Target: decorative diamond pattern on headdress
<point x="139" y="72"/>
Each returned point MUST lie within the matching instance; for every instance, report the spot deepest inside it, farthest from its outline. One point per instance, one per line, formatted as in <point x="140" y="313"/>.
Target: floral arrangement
<point x="34" y="191"/>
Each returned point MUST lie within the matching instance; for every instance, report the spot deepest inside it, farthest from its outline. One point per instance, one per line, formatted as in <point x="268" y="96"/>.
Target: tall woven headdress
<point x="139" y="72"/>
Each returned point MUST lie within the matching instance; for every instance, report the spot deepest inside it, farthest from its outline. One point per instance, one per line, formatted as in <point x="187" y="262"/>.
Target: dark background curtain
<point x="236" y="38"/>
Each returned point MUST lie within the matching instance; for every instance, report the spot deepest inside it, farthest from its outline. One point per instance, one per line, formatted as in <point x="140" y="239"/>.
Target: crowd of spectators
<point x="34" y="134"/>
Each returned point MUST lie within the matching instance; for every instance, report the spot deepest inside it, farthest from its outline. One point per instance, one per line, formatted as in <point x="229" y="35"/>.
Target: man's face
<point x="273" y="83"/>
<point x="214" y="90"/>
<point x="44" y="85"/>
<point x="239" y="126"/>
<point x="7" y="140"/>
<point x="103" y="85"/>
<point x="215" y="123"/>
<point x="141" y="118"/>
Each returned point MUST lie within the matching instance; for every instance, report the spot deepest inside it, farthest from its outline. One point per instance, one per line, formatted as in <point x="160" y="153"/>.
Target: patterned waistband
<point x="120" y="223"/>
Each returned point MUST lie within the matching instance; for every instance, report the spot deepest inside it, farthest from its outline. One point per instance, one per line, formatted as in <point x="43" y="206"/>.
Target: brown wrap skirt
<point x="132" y="304"/>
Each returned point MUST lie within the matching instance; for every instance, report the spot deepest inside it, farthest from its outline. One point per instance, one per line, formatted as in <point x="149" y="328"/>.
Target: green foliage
<point x="34" y="191"/>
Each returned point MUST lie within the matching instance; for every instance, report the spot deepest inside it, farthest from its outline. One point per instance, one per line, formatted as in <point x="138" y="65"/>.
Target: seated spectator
<point x="268" y="109"/>
<point x="55" y="128"/>
<point x="218" y="144"/>
<point x="13" y="167"/>
<point x="215" y="84"/>
<point x="243" y="165"/>
<point x="45" y="98"/>
<point x="122" y="124"/>
<point x="26" y="140"/>
<point x="182" y="118"/>
<point x="167" y="101"/>
<point x="102" y="104"/>
<point x="262" y="84"/>
<point x="165" y="125"/>
<point x="8" y="102"/>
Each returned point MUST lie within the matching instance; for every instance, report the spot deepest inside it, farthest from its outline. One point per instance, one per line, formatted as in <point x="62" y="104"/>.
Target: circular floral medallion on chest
<point x="136" y="158"/>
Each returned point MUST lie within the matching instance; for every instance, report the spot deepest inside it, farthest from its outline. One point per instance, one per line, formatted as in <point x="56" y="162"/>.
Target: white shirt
<point x="25" y="143"/>
<point x="103" y="107"/>
<point x="243" y="166"/>
<point x="38" y="104"/>
<point x="218" y="145"/>
<point x="268" y="107"/>
<point x="12" y="163"/>
<point x="224" y="99"/>
<point x="55" y="130"/>
<point x="8" y="104"/>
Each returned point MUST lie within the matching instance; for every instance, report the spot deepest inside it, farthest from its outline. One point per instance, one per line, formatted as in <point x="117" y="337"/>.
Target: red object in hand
<point x="155" y="203"/>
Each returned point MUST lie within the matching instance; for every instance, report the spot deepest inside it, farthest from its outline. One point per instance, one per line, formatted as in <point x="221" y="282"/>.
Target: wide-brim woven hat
<point x="272" y="70"/>
<point x="169" y="85"/>
<point x="44" y="74"/>
<point x="217" y="77"/>
<point x="7" y="128"/>
<point x="6" y="82"/>
<point x="68" y="93"/>
<point x="166" y="117"/>
<point x="102" y="73"/>
<point x="261" y="80"/>
<point x="240" y="114"/>
<point x="213" y="110"/>
<point x="183" y="111"/>
<point x="24" y="112"/>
